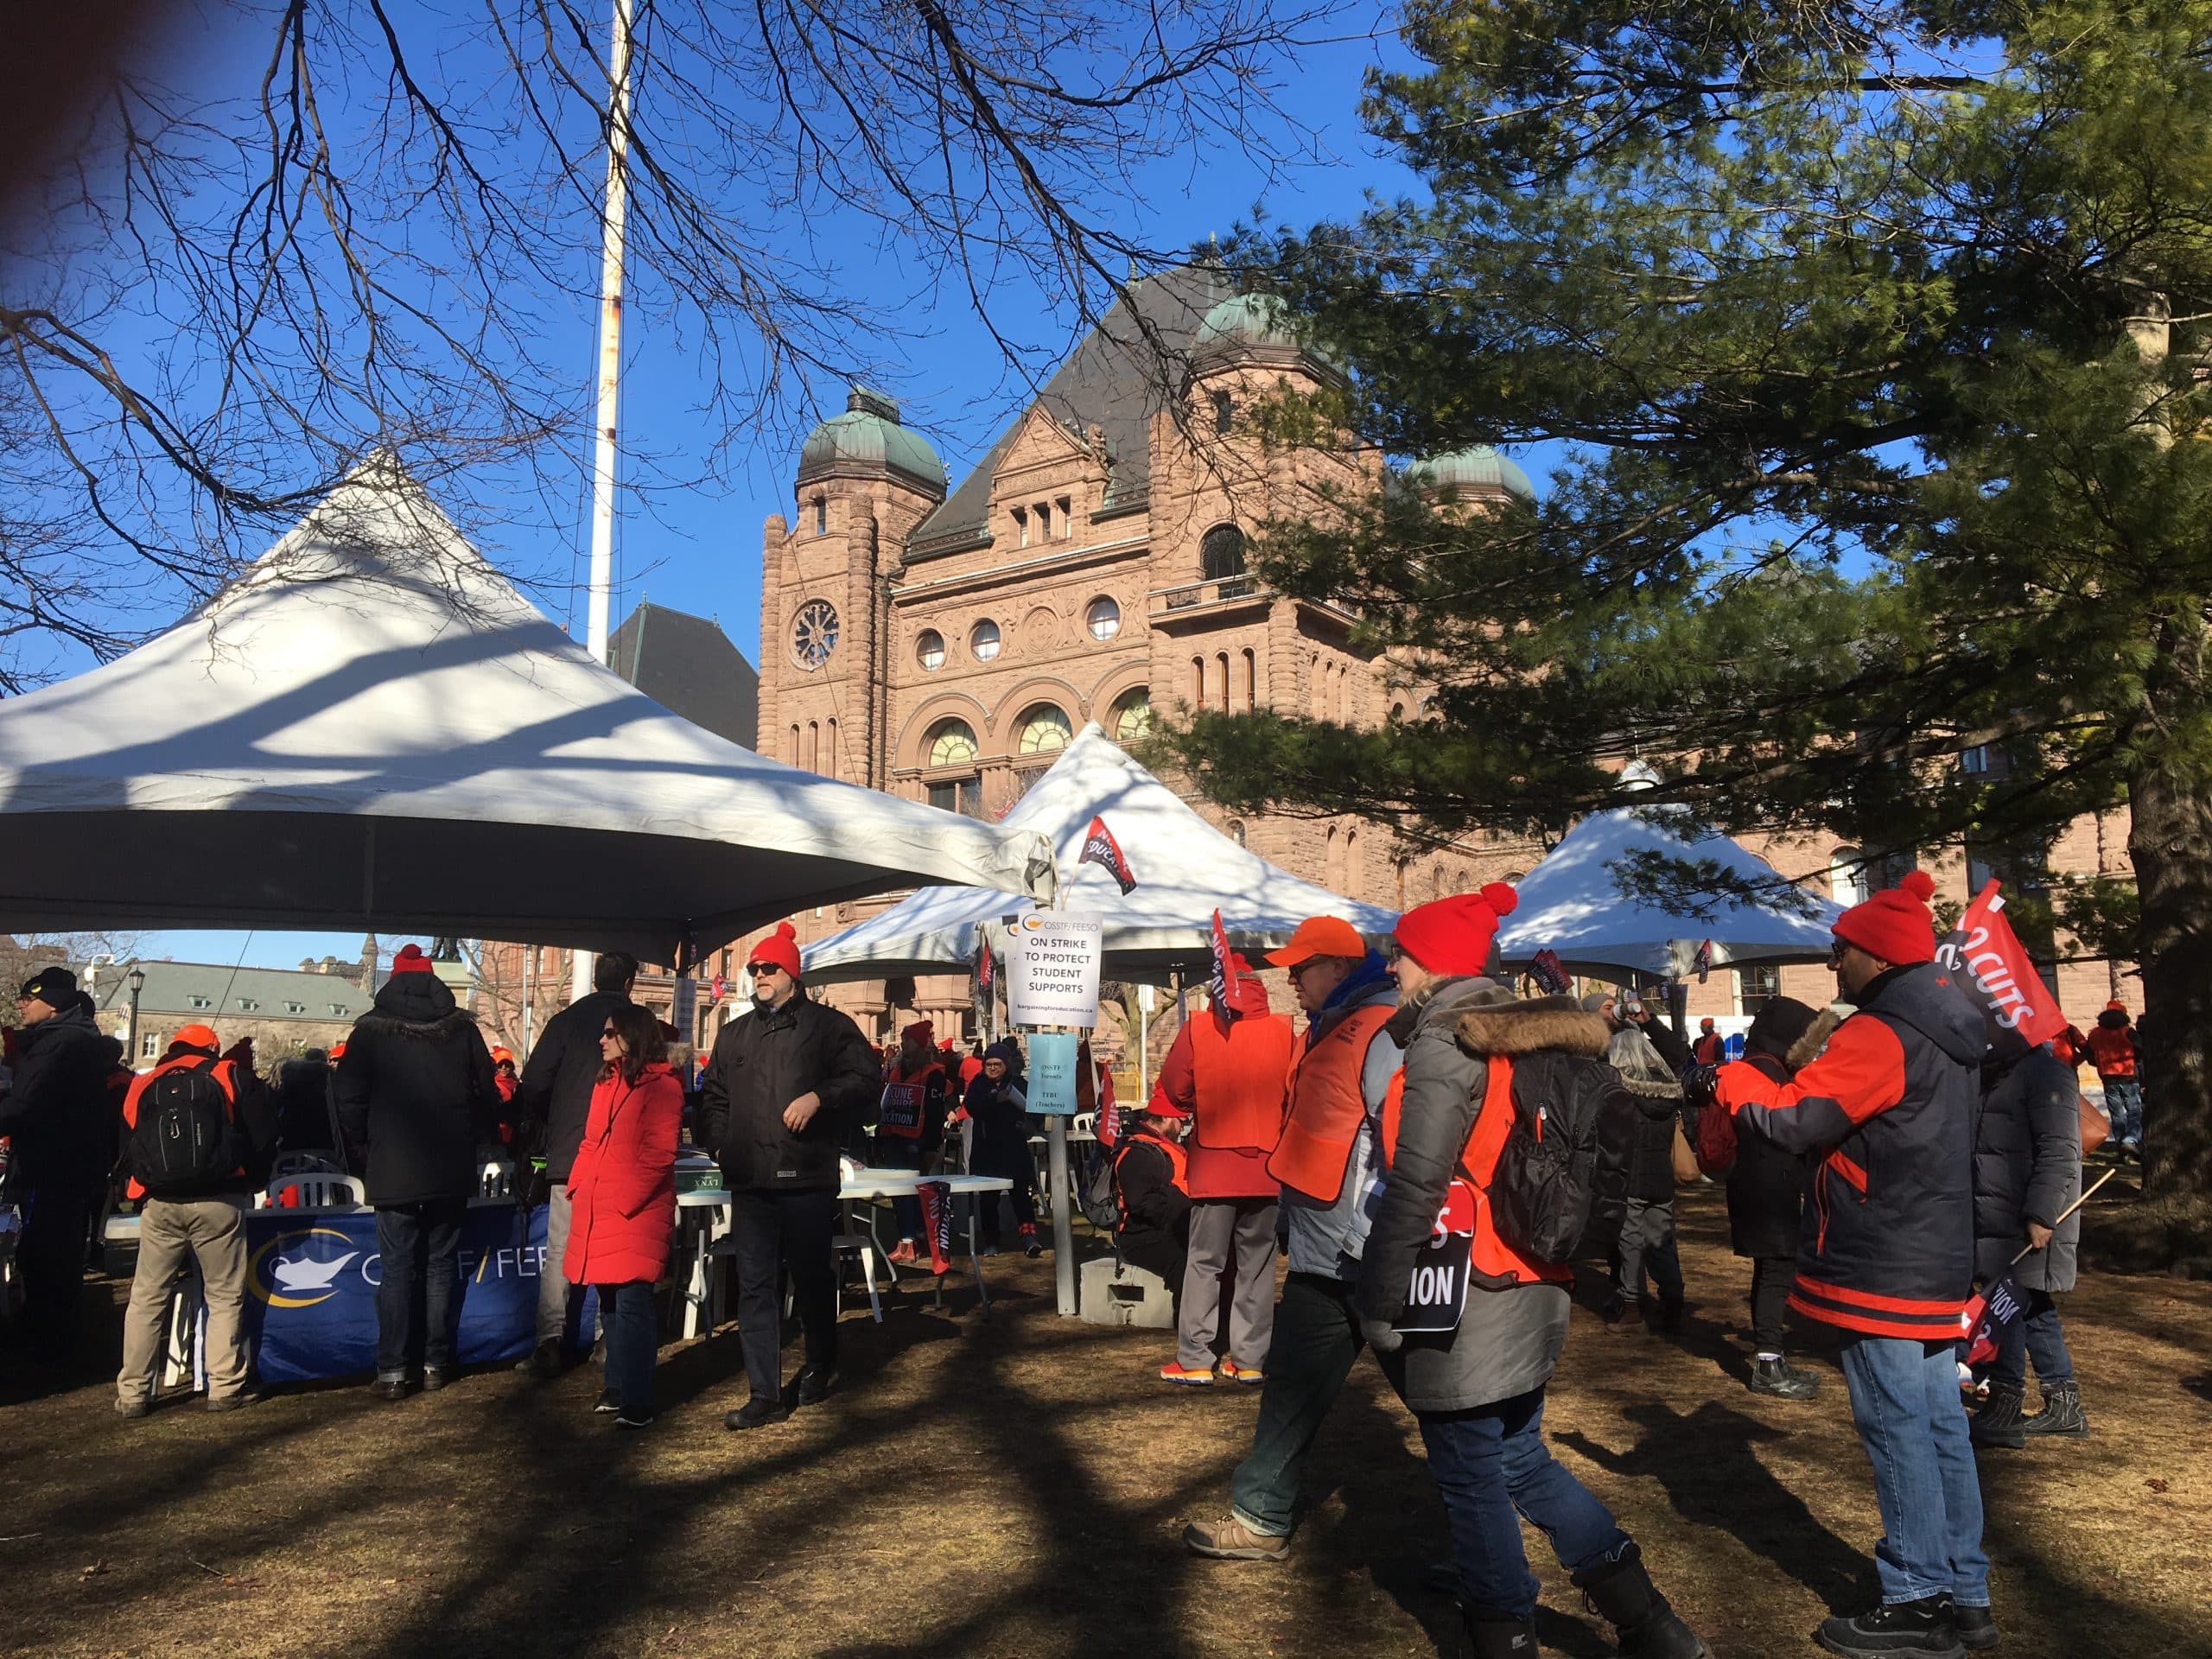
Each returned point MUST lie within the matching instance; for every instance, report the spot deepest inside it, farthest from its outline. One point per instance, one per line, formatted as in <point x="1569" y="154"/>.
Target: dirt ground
<point x="1016" y="1487"/>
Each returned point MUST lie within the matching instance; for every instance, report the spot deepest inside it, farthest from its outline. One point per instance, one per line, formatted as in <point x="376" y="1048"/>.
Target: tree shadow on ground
<point x="1706" y="1462"/>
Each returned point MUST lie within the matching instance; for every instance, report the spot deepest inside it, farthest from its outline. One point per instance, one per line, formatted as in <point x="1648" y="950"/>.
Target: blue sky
<point x="697" y="548"/>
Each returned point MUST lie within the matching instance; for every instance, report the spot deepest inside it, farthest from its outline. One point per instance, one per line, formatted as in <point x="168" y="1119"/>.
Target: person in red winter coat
<point x="622" y="1201"/>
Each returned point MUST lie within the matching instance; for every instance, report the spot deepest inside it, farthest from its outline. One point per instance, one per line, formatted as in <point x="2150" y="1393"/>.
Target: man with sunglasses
<point x="785" y="1082"/>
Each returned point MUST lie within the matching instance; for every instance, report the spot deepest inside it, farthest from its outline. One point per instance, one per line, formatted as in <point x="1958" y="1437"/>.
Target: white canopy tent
<point x="1184" y="867"/>
<point x="1574" y="903"/>
<point x="372" y="729"/>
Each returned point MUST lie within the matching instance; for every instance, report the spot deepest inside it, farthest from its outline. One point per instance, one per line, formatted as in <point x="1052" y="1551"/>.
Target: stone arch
<point x="913" y="748"/>
<point x="1006" y="716"/>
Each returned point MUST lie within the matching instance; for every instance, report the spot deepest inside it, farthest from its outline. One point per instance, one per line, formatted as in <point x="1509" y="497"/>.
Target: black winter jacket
<point x="1156" y="1214"/>
<point x="1766" y="1185"/>
<point x="1659" y="1099"/>
<point x="1002" y="1118"/>
<point x="58" y="1114"/>
<point x="1886" y="1247"/>
<point x="416" y="1086"/>
<point x="762" y="1062"/>
<point x="301" y="1095"/>
<point x="2027" y="1166"/>
<point x="554" y="1089"/>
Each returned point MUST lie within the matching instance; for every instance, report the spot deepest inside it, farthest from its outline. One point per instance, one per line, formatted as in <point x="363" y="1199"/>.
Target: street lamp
<point x="137" y="978"/>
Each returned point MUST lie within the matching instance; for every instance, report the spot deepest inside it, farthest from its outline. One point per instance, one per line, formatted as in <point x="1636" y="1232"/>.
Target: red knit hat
<point x="1452" y="936"/>
<point x="411" y="960"/>
<point x="780" y="947"/>
<point x="1895" y="924"/>
<point x="1160" y="1106"/>
<point x="922" y="1031"/>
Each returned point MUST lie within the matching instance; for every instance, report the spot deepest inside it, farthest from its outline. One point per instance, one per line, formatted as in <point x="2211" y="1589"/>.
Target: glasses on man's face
<point x="1297" y="970"/>
<point x="1835" y="954"/>
<point x="765" y="971"/>
<point x="610" y="1035"/>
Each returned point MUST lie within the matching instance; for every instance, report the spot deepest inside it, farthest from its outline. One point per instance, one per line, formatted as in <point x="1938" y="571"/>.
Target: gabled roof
<point x="1185" y="870"/>
<point x="371" y="729"/>
<point x="247" y="993"/>
<point x="686" y="664"/>
<point x="1115" y="380"/>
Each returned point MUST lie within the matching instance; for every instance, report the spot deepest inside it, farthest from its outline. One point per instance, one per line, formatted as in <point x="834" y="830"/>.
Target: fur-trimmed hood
<point x="1806" y="1049"/>
<point x="1523" y="1027"/>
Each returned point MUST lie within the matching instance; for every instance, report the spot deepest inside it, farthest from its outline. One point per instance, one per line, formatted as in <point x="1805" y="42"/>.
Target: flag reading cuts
<point x="1100" y="848"/>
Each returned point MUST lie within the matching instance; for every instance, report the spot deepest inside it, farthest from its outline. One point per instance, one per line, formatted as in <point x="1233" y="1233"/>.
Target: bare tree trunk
<point x="2170" y="841"/>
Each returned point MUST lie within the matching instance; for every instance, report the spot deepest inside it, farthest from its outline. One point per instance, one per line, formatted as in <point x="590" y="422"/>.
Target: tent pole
<point x="610" y="361"/>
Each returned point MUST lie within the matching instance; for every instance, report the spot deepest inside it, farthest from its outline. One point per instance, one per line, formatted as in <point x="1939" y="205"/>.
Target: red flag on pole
<point x="1219" y="984"/>
<point x="1100" y="848"/>
<point x="1703" y="961"/>
<point x="1989" y="959"/>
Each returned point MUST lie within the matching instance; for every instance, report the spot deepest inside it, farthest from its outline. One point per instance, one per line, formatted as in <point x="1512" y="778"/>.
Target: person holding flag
<point x="910" y="1125"/>
<point x="1226" y="1070"/>
<point x="1886" y="1255"/>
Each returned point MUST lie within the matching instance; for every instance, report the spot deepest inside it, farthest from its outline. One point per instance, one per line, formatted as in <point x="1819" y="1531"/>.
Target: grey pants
<point x="1647" y="1246"/>
<point x="1222" y="1229"/>
<point x="552" y="1283"/>
<point x="212" y="1232"/>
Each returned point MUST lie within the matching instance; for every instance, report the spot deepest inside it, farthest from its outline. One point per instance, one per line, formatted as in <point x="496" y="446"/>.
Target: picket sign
<point x="1437" y="1297"/>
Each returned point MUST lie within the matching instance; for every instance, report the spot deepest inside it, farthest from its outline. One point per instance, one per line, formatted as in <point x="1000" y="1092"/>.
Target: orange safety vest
<point x="1178" y="1167"/>
<point x="2112" y="1051"/>
<point x="1326" y="1108"/>
<point x="225" y="1073"/>
<point x="1495" y="1264"/>
<point x="1241" y="1076"/>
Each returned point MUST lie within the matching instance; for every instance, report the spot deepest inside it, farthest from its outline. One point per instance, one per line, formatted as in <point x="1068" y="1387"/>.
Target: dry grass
<point x="1016" y="1488"/>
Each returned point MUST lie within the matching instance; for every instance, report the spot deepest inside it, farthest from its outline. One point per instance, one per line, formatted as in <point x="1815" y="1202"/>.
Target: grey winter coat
<point x="2027" y="1166"/>
<point x="1508" y="1340"/>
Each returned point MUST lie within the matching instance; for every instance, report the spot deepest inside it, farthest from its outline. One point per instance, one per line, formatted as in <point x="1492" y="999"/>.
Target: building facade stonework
<point x="944" y="644"/>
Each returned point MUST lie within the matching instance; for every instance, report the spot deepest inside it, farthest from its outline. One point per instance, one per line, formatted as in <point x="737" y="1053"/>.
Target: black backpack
<point x="186" y="1134"/>
<point x="1560" y="1192"/>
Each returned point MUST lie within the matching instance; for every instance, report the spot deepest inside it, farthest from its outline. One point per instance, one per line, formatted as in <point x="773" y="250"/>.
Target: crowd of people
<point x="1880" y="1156"/>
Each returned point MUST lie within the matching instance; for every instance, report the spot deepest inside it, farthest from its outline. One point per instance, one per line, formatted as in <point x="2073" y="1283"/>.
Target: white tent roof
<point x="1572" y="903"/>
<point x="371" y="729"/>
<point x="1184" y="868"/>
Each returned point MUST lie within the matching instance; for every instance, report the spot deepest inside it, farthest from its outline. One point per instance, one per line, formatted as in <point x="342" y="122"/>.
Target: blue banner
<point x="311" y="1278"/>
<point x="1052" y="1057"/>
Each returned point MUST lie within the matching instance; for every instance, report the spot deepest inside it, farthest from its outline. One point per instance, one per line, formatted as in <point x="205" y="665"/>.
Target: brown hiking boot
<point x="1231" y="1540"/>
<point x="1630" y="1321"/>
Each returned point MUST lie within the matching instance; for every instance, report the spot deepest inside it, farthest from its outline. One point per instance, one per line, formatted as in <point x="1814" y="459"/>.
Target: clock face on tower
<point x="814" y="633"/>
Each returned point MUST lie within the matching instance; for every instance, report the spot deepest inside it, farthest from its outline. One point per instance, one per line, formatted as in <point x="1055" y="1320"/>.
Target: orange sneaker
<point x="1250" y="1375"/>
<point x="904" y="1254"/>
<point x="1175" y="1371"/>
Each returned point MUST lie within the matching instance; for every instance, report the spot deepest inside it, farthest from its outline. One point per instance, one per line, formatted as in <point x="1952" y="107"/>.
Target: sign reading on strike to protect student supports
<point x="1052" y="968"/>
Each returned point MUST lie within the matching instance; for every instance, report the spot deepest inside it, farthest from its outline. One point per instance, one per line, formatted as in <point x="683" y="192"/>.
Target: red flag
<point x="1549" y="973"/>
<point x="1703" y="960"/>
<point x="1986" y="955"/>
<point x="1986" y="1314"/>
<point x="1100" y="848"/>
<point x="1220" y="983"/>
<point x="984" y="963"/>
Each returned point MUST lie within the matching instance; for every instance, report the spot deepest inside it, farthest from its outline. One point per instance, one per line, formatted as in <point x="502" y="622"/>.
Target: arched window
<point x="984" y="640"/>
<point x="1043" y="730"/>
<point x="1398" y="712"/>
<point x="1251" y="680"/>
<point x="1333" y="861"/>
<point x="1847" y="877"/>
<point x="1221" y="662"/>
<point x="1224" y="413"/>
<point x="1133" y="716"/>
<point x="814" y="745"/>
<point x="1197" y="682"/>
<point x="1351" y="861"/>
<point x="929" y="649"/>
<point x="821" y="514"/>
<point x="1221" y="553"/>
<point x="793" y="756"/>
<point x="1103" y="617"/>
<point x="833" y="749"/>
<point x="952" y="743"/>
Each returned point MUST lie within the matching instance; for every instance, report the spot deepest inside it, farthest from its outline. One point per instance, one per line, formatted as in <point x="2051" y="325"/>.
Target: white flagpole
<point x="610" y="365"/>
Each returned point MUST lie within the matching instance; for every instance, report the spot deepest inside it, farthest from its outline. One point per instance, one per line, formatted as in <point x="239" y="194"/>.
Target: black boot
<point x="1977" y="1626"/>
<point x="1914" y="1627"/>
<point x="1621" y="1593"/>
<point x="2060" y="1412"/>
<point x="1998" y="1423"/>
<point x="1774" y="1377"/>
<point x="1487" y="1634"/>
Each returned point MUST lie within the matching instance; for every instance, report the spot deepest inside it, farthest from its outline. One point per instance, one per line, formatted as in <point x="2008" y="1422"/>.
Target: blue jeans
<point x="418" y="1295"/>
<point x="2034" y="1336"/>
<point x="2124" y="1105"/>
<point x="631" y="1344"/>
<point x="1491" y="1466"/>
<point x="1904" y="1399"/>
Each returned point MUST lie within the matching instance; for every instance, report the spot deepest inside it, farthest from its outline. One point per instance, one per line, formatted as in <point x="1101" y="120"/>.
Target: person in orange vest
<point x="2112" y="1051"/>
<point x="910" y="1123"/>
<point x="1152" y="1190"/>
<point x="197" y="1132"/>
<point x="1324" y="1161"/>
<point x="1711" y="1048"/>
<point x="1227" y="1068"/>
<point x="1475" y="1057"/>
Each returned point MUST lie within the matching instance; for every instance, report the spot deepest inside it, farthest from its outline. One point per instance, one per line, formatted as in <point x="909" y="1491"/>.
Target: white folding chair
<point x="320" y="1190"/>
<point x="498" y="1180"/>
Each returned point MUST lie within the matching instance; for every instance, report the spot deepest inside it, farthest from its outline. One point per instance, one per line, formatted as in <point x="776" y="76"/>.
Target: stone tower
<point x="864" y="482"/>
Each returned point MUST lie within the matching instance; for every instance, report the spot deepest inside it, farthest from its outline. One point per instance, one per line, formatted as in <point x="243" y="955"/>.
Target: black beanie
<point x="1779" y="1023"/>
<point x="55" y="987"/>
